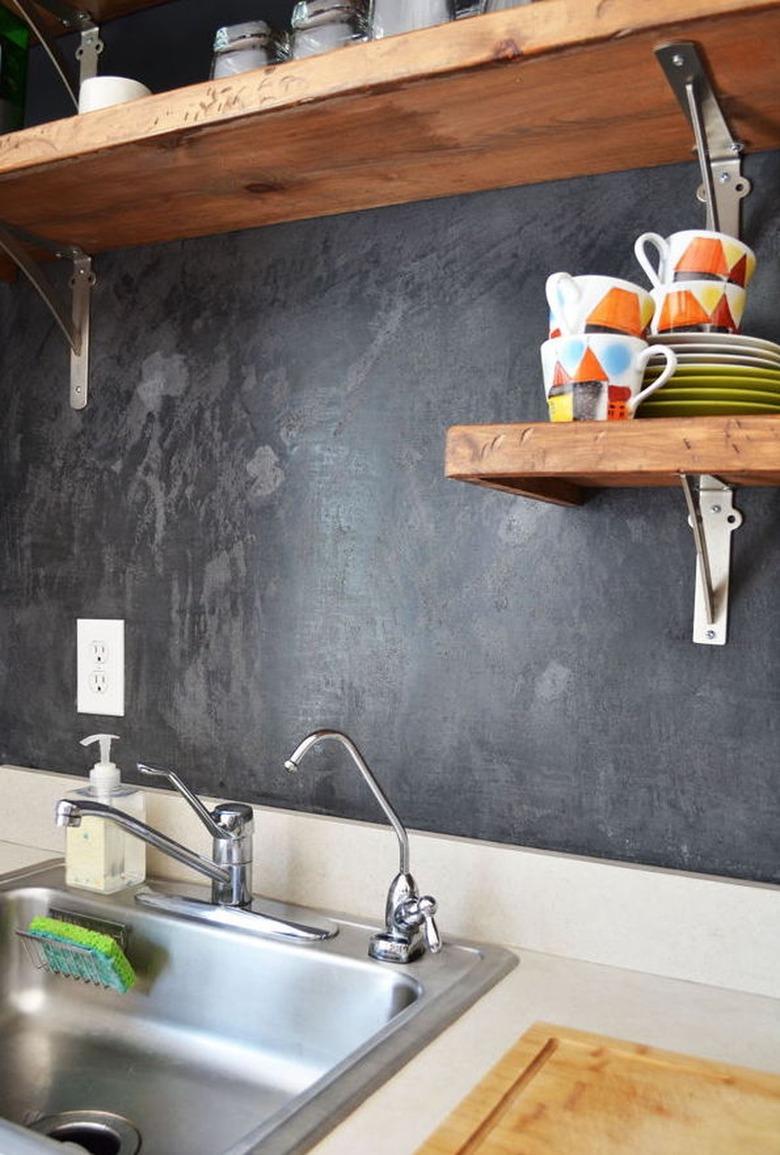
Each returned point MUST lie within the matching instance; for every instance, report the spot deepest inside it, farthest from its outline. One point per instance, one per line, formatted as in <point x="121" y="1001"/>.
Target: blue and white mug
<point x="599" y="376"/>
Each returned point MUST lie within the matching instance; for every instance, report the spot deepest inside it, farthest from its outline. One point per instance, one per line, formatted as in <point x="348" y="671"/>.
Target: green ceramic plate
<point x="715" y="372"/>
<point x="679" y="392"/>
<point x="736" y="341"/>
<point x="707" y="384"/>
<point x="702" y="408"/>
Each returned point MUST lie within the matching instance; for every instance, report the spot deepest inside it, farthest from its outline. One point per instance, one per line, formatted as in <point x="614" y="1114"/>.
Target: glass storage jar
<point x="389" y="17"/>
<point x="321" y="25"/>
<point x="242" y="47"/>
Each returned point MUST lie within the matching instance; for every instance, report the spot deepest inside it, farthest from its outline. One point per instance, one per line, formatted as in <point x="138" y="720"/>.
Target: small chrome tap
<point x="409" y="921"/>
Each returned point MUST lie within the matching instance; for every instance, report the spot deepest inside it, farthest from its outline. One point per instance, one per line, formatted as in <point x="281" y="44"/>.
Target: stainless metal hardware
<point x="81" y="284"/>
<point x="713" y="519"/>
<point x="723" y="185"/>
<point x="231" y="826"/>
<point x="406" y="911"/>
<point x="88" y="53"/>
<point x="72" y="20"/>
<point x="73" y="317"/>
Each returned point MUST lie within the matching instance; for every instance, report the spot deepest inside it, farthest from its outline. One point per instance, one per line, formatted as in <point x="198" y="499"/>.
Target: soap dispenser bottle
<point x="100" y="855"/>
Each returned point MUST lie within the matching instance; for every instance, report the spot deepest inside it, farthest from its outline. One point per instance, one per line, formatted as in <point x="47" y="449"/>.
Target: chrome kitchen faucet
<point x="231" y="825"/>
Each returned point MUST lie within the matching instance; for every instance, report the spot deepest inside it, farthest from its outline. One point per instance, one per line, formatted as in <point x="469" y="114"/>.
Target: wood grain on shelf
<point x="560" y="462"/>
<point x="551" y="90"/>
<point x="100" y="10"/>
<point x="559" y="1091"/>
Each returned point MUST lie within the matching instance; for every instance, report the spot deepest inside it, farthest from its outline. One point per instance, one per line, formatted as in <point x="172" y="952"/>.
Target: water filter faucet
<point x="409" y="921"/>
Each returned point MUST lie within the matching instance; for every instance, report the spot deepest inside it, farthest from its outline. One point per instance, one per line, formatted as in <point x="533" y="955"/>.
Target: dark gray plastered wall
<point x="257" y="488"/>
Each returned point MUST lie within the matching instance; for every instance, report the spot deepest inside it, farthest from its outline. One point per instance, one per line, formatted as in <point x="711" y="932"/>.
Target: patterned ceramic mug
<point x="696" y="255"/>
<point x="698" y="307"/>
<point x="598" y="376"/>
<point x="594" y="304"/>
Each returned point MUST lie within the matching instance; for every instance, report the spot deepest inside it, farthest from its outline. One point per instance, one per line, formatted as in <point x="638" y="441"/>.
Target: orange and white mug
<point x="595" y="304"/>
<point x="696" y="255"/>
<point x="698" y="307"/>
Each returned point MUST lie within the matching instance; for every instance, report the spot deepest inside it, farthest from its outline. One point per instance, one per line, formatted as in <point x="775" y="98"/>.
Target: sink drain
<point x="96" y="1132"/>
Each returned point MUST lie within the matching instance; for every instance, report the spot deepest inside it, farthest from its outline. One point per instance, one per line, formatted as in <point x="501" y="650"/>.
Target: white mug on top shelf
<point x="595" y="304"/>
<point x="696" y="255"/>
<point x="106" y="91"/>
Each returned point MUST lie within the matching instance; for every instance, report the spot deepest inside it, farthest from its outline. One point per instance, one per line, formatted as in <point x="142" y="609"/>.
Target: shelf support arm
<point x="73" y="317"/>
<point x="72" y="20"/>
<point x="723" y="186"/>
<point x="712" y="519"/>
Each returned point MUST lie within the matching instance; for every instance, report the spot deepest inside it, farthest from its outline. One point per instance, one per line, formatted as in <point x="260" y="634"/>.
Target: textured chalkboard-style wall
<point x="257" y="487"/>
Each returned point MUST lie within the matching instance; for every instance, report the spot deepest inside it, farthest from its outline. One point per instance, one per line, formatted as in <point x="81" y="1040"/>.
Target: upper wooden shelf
<point x="560" y="462"/>
<point x="101" y="11"/>
<point x="551" y="90"/>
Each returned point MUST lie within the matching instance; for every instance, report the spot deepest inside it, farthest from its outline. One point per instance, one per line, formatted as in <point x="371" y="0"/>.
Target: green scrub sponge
<point x="101" y="958"/>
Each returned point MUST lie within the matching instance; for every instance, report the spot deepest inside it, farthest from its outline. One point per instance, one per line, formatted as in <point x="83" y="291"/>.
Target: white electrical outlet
<point x="100" y="671"/>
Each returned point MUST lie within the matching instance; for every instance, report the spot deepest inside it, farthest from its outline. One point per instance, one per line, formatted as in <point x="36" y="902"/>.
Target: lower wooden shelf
<point x="560" y="463"/>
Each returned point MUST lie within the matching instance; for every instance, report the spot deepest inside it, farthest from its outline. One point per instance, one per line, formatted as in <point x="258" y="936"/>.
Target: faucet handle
<point x="203" y="814"/>
<point x="428" y="907"/>
<point x="419" y="911"/>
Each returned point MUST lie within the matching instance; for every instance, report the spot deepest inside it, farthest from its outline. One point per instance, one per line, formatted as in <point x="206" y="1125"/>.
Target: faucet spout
<point x="69" y="813"/>
<point x="293" y="763"/>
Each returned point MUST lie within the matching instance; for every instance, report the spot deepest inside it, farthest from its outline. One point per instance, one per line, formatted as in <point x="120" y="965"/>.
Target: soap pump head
<point x="104" y="775"/>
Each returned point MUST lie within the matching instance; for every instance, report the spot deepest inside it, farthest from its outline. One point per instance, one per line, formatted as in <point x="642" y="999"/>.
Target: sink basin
<point x="229" y="1043"/>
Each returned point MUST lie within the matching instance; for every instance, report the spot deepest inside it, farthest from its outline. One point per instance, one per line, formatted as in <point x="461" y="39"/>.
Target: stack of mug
<point x="700" y="281"/>
<point x="595" y="359"/>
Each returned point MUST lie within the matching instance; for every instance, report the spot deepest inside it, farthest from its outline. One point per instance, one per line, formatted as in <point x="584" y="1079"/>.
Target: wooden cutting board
<point x="565" y="1092"/>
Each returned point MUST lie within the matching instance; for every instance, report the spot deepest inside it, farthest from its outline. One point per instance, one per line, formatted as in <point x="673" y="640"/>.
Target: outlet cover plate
<point x="100" y="666"/>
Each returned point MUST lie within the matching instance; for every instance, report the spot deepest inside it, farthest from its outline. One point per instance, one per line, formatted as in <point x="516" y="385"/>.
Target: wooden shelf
<point x="561" y="462"/>
<point x="552" y="90"/>
<point x="101" y="11"/>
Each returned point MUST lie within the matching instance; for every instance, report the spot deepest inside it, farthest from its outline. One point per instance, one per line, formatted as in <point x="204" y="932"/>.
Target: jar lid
<point x="310" y="13"/>
<point x="234" y="34"/>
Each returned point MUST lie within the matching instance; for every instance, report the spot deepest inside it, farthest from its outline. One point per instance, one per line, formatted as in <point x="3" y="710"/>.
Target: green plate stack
<point x="717" y="374"/>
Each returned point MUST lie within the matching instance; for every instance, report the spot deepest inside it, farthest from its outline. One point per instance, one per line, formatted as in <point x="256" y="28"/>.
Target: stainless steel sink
<point x="229" y="1043"/>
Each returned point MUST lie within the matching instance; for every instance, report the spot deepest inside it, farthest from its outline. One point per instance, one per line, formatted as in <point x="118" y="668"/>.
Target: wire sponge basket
<point x="85" y="949"/>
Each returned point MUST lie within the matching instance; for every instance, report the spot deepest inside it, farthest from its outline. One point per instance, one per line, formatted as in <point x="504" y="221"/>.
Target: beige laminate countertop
<point x="708" y="1021"/>
<point x="15" y="857"/>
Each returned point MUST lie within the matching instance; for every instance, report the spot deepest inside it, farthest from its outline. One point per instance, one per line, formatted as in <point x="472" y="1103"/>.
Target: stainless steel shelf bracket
<point x="73" y="316"/>
<point x="723" y="186"/>
<point x="713" y="519"/>
<point x="72" y="20"/>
